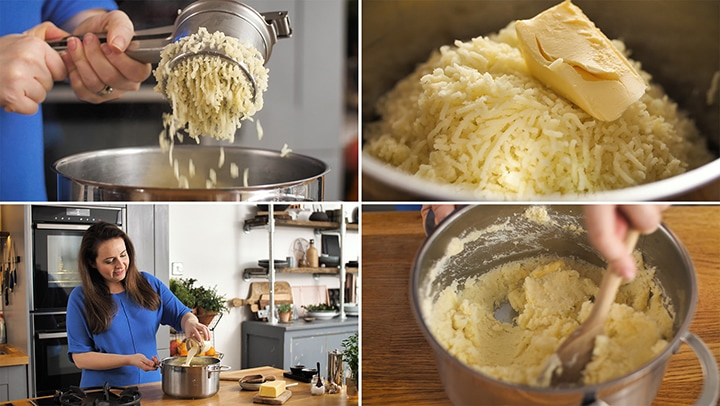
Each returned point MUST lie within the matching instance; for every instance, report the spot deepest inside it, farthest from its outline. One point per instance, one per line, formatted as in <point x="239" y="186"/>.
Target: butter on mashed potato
<point x="552" y="296"/>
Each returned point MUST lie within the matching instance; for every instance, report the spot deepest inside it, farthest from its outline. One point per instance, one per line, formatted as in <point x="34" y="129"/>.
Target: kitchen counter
<point x="389" y="244"/>
<point x="230" y="393"/>
<point x="11" y="356"/>
<point x="300" y="324"/>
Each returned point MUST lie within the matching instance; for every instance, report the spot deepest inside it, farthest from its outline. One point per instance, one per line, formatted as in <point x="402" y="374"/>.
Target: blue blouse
<point x="22" y="167"/>
<point x="131" y="331"/>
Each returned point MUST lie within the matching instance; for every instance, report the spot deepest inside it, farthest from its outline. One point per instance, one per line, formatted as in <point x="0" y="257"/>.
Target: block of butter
<point x="564" y="50"/>
<point x="272" y="389"/>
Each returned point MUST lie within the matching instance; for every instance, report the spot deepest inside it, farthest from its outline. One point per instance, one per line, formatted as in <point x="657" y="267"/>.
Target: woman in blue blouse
<point x="113" y="317"/>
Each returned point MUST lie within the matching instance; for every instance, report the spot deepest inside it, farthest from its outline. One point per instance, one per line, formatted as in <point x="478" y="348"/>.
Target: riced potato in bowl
<point x="471" y="122"/>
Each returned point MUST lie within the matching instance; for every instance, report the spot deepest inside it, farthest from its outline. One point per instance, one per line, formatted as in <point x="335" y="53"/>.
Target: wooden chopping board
<point x="273" y="401"/>
<point x="258" y="289"/>
<point x="259" y="295"/>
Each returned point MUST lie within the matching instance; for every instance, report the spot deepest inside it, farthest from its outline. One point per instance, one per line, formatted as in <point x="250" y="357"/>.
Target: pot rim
<point x="658" y="190"/>
<point x="655" y="362"/>
<point x="215" y="365"/>
<point x="137" y="150"/>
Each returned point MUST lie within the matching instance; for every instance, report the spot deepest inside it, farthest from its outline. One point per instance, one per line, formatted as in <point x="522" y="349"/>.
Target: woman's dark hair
<point x="99" y="306"/>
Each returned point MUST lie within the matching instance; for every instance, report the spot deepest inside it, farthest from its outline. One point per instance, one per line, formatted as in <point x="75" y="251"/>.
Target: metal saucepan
<point x="200" y="379"/>
<point x="400" y="34"/>
<point x="433" y="271"/>
<point x="145" y="174"/>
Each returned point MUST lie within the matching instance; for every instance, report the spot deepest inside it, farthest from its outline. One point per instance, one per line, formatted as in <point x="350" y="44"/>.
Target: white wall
<point x="210" y="243"/>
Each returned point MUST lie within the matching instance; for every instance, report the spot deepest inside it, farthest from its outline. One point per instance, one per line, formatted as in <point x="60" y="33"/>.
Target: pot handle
<point x="711" y="377"/>
<point x="219" y="368"/>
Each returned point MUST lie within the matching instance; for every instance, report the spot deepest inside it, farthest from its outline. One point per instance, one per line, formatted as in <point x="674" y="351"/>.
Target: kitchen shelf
<point x="262" y="220"/>
<point x="256" y="272"/>
<point x="283" y="219"/>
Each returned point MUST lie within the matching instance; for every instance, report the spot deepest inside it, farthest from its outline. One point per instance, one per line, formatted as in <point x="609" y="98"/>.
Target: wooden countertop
<point x="12" y="356"/>
<point x="390" y="241"/>
<point x="230" y="393"/>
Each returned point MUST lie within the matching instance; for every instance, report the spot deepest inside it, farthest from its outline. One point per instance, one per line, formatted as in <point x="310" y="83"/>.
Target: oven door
<point x="55" y="274"/>
<point x="53" y="369"/>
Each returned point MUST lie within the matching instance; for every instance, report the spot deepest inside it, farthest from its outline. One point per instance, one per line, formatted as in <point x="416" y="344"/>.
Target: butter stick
<point x="564" y="50"/>
<point x="272" y="389"/>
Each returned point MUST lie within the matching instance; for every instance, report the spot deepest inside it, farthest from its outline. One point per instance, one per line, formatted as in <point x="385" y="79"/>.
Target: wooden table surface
<point x="230" y="393"/>
<point x="393" y="343"/>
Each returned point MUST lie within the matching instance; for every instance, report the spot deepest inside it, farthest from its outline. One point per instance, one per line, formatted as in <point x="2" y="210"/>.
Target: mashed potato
<point x="551" y="296"/>
<point x="473" y="116"/>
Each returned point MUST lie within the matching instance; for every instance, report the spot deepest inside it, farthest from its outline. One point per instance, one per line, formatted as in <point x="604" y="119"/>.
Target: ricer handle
<point x="144" y="47"/>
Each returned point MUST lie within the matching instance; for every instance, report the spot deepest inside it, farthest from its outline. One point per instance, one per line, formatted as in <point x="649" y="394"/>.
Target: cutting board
<point x="258" y="289"/>
<point x="273" y="401"/>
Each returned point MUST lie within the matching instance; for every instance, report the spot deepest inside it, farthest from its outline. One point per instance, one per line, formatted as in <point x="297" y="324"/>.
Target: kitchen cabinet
<point x="13" y="383"/>
<point x="297" y="343"/>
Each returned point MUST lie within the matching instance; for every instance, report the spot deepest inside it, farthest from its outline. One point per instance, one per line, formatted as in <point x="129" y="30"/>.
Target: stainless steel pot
<point x="200" y="379"/>
<point x="399" y="34"/>
<point x="433" y="271"/>
<point x="144" y="174"/>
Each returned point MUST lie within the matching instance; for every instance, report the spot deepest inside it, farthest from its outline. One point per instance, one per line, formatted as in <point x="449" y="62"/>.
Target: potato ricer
<point x="231" y="17"/>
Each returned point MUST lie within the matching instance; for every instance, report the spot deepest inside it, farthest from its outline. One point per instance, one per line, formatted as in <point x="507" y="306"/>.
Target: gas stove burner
<point x="101" y="396"/>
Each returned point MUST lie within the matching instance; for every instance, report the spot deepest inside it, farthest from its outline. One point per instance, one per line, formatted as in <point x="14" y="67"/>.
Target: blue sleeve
<point x="60" y="11"/>
<point x="79" y="338"/>
<point x="173" y="309"/>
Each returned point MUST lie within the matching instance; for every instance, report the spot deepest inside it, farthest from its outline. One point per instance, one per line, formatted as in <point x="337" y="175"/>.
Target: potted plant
<point x="285" y="312"/>
<point x="206" y="302"/>
<point x="350" y="357"/>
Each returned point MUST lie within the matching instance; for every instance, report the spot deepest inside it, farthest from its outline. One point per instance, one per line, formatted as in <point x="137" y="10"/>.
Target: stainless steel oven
<point x="57" y="234"/>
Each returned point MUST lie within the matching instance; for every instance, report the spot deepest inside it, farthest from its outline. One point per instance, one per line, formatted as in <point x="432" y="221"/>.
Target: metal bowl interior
<point x="398" y="35"/>
<point x="433" y="271"/>
<point x="145" y="173"/>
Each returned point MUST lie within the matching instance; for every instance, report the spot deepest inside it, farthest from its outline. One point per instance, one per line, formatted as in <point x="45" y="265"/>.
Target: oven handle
<point x="51" y="226"/>
<point x="49" y="336"/>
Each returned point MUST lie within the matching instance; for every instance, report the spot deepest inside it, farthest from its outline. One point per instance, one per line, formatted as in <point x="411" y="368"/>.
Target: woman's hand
<point x="607" y="225"/>
<point x="142" y="362"/>
<point x="29" y="67"/>
<point x="101" y="72"/>
<point x="194" y="329"/>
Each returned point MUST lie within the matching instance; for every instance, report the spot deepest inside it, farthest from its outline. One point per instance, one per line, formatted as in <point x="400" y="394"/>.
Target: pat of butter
<point x="272" y="389"/>
<point x="564" y="50"/>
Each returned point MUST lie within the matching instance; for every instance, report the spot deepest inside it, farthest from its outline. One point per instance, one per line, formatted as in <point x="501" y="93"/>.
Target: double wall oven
<point x="56" y="236"/>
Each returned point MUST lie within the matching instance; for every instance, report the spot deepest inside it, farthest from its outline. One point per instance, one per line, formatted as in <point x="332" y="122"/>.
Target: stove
<point x="101" y="396"/>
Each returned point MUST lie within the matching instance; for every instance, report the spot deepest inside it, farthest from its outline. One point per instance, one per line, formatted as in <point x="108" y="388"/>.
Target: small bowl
<point x="329" y="260"/>
<point x="308" y="372"/>
<point x="297" y="369"/>
<point x="309" y="319"/>
<point x="319" y="216"/>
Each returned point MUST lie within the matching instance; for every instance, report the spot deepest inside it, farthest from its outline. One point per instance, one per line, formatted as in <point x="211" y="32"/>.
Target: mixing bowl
<point x="145" y="174"/>
<point x="433" y="271"/>
<point x="400" y="34"/>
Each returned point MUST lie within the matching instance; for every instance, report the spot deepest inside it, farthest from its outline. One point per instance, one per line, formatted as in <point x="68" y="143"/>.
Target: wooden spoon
<point x="567" y="363"/>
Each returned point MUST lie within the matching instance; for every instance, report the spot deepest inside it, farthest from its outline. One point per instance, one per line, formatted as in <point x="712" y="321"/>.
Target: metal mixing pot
<point x="145" y="174"/>
<point x="434" y="270"/>
<point x="200" y="379"/>
<point x="400" y="34"/>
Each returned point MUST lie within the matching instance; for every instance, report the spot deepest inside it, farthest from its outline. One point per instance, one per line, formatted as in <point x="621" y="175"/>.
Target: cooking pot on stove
<point x="200" y="379"/>
<point x="400" y="34"/>
<point x="433" y="271"/>
<point x="145" y="174"/>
